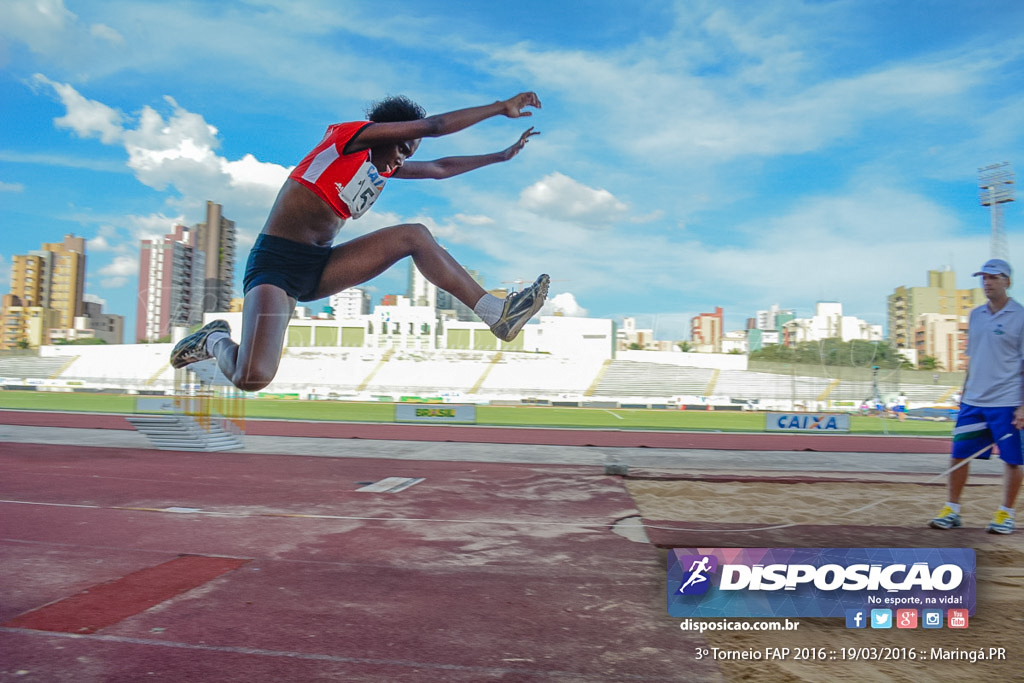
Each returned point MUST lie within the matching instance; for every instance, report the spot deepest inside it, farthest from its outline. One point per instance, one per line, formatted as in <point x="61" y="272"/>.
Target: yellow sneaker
<point x="1002" y="523"/>
<point x="946" y="519"/>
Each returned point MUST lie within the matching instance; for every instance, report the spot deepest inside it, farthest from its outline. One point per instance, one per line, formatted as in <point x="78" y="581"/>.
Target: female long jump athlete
<point x="293" y="258"/>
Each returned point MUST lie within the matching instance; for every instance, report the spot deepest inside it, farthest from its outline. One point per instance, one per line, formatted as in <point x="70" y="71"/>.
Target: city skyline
<point x="937" y="279"/>
<point x="691" y="155"/>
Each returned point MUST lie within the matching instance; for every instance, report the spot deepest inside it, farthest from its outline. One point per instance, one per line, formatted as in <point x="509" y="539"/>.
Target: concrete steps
<point x="184" y="433"/>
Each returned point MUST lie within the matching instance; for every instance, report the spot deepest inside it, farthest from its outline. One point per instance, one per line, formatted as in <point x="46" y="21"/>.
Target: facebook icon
<point x="856" y="618"/>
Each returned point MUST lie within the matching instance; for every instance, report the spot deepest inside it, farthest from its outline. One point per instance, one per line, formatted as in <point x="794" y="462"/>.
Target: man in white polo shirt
<point x="991" y="410"/>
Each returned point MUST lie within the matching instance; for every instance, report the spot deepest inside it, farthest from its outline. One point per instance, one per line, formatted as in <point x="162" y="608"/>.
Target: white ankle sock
<point x="489" y="308"/>
<point x="213" y="338"/>
<point x="1007" y="510"/>
<point x="955" y="507"/>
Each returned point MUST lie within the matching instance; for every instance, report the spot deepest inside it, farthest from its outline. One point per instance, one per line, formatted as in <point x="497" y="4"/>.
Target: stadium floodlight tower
<point x="995" y="188"/>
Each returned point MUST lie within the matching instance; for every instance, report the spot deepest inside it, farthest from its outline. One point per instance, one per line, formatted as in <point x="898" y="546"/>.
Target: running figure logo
<point x="696" y="580"/>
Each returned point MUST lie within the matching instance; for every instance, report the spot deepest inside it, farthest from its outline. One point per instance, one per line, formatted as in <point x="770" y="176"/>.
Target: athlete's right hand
<point x="513" y="107"/>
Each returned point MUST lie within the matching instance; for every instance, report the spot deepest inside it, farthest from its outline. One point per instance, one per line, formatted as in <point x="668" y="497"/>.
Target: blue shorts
<point x="293" y="266"/>
<point x="977" y="427"/>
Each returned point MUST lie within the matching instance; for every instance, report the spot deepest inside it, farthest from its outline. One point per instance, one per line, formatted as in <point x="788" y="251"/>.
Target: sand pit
<point x="718" y="509"/>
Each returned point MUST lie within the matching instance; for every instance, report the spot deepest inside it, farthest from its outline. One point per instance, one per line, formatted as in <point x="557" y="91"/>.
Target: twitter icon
<point x="881" y="618"/>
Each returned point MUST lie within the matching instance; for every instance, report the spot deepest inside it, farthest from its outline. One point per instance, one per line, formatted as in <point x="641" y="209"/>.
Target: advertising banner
<point x="807" y="422"/>
<point x="817" y="582"/>
<point x="442" y="414"/>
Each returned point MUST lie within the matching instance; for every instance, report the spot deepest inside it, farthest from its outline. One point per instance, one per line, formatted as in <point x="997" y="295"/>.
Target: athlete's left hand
<point x="520" y="143"/>
<point x="1018" y="418"/>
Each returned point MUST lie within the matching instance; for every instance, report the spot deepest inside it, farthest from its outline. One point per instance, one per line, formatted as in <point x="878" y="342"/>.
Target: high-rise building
<point x="828" y="322"/>
<point x="350" y="303"/>
<point x="629" y="336"/>
<point x="706" y="331"/>
<point x="67" y="279"/>
<point x="25" y="326"/>
<point x="217" y="241"/>
<point x="92" y="324"/>
<point x="447" y="302"/>
<point x="941" y="296"/>
<point x="773" y="319"/>
<point x="171" y="283"/>
<point x="944" y="338"/>
<point x="51" y="280"/>
<point x="421" y="291"/>
<point x="29" y="278"/>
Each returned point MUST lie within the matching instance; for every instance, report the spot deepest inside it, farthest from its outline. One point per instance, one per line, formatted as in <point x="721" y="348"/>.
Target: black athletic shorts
<point x="294" y="267"/>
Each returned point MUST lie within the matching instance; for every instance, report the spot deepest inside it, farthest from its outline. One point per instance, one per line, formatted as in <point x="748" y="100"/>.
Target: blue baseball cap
<point x="995" y="266"/>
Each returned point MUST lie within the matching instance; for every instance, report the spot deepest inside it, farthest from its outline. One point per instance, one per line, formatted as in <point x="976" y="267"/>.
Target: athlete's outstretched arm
<point x="452" y="166"/>
<point x="441" y="124"/>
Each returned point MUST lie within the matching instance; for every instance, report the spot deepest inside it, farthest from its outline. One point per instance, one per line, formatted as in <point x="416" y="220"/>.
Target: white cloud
<point x="561" y="197"/>
<point x="107" y="239"/>
<point x="179" y="151"/>
<point x="745" y="83"/>
<point x="11" y="187"/>
<point x="855" y="245"/>
<point x="475" y="220"/>
<point x="88" y="118"/>
<point x="117" y="273"/>
<point x="98" y="243"/>
<point x="249" y="171"/>
<point x="563" y="304"/>
<point x="152" y="227"/>
<point x="121" y="265"/>
<point x="160" y="151"/>
<point x="106" y="33"/>
<point x="62" y="161"/>
<point x="57" y="38"/>
<point x="113" y="282"/>
<point x="40" y="24"/>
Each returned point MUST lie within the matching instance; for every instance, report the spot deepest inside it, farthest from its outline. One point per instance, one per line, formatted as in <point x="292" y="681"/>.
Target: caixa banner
<point x="816" y="582"/>
<point x="807" y="422"/>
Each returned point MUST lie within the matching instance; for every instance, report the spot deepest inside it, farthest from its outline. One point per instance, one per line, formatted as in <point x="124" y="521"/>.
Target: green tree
<point x="834" y="352"/>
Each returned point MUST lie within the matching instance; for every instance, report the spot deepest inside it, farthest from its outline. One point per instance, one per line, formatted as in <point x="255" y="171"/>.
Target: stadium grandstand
<point x="654" y="379"/>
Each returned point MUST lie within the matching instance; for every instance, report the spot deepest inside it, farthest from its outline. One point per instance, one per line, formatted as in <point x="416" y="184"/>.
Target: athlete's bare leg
<point x="267" y="309"/>
<point x="366" y="257"/>
<point x="957" y="480"/>
<point x="1014" y="475"/>
<point x="265" y="315"/>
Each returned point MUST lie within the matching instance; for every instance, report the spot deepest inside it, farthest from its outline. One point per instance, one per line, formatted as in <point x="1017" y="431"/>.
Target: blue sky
<point x="692" y="154"/>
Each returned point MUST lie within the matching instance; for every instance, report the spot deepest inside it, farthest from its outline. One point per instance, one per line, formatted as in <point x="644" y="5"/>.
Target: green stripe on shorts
<point x="967" y="436"/>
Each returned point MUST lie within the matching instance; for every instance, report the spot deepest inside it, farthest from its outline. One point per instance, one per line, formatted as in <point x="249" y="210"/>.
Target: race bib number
<point x="362" y="191"/>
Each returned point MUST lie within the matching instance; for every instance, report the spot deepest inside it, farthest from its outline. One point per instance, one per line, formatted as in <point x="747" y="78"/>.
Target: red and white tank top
<point x="349" y="183"/>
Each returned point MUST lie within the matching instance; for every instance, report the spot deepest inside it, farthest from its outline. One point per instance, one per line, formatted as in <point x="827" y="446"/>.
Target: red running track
<point x="480" y="572"/>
